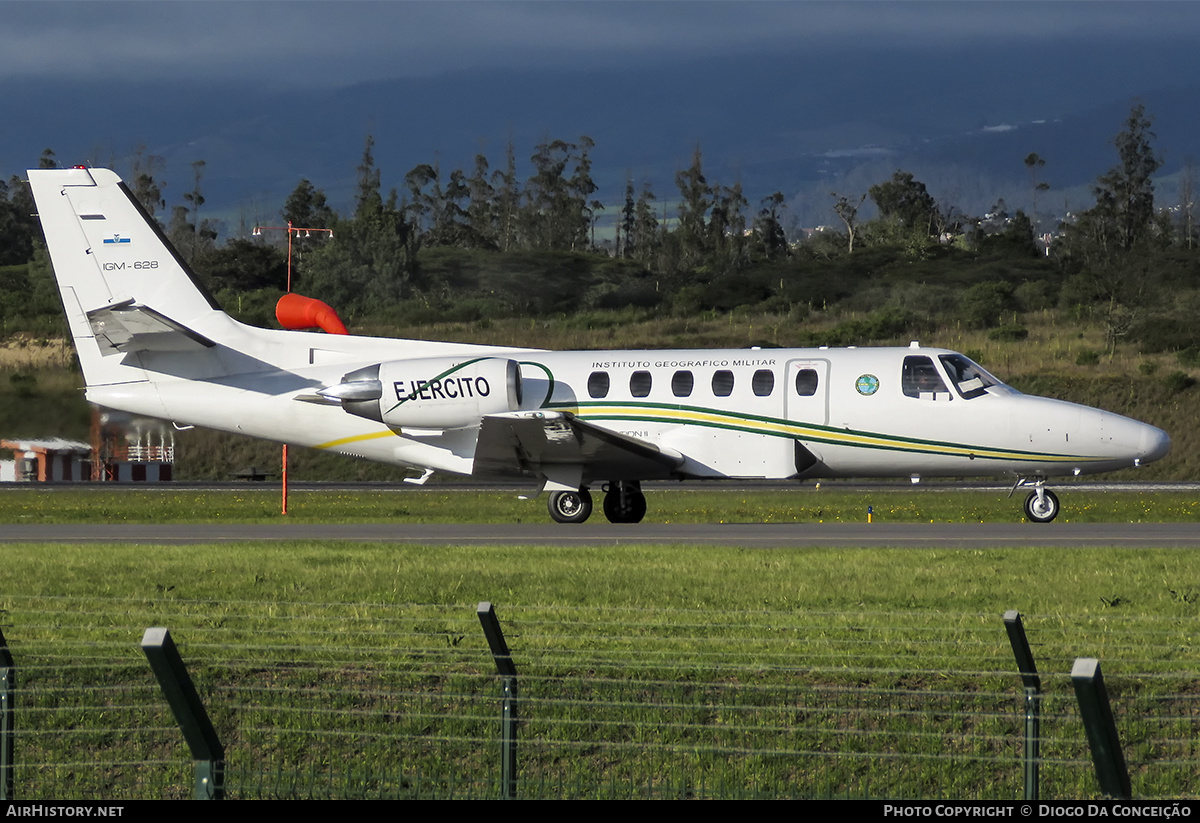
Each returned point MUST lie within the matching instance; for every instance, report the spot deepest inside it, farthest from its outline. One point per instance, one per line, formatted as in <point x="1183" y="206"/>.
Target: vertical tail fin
<point x="121" y="281"/>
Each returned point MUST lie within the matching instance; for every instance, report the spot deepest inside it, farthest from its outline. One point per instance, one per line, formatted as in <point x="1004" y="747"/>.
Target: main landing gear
<point x="570" y="507"/>
<point x="1041" y="506"/>
<point x="623" y="503"/>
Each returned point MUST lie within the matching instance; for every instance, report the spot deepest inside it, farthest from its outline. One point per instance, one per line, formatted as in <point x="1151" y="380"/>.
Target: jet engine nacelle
<point x="431" y="393"/>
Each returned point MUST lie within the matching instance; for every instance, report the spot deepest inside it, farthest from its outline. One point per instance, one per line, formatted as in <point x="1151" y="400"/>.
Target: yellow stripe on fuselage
<point x="805" y="432"/>
<point x="358" y="438"/>
<point x="774" y="428"/>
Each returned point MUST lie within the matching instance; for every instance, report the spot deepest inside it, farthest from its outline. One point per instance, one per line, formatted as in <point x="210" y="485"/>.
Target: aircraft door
<point x="808" y="391"/>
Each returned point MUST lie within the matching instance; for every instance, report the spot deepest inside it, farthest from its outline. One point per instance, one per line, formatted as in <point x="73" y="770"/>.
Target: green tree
<point x="696" y="199"/>
<point x="906" y="201"/>
<point x="727" y="227"/>
<point x="1107" y="250"/>
<point x="1125" y="195"/>
<point x="190" y="235"/>
<point x="557" y="213"/>
<point x="847" y="211"/>
<point x="1187" y="206"/>
<point x="768" y="229"/>
<point x="147" y="188"/>
<point x="984" y="305"/>
<point x="646" y="235"/>
<point x="244" y="265"/>
<point x="424" y="198"/>
<point x="307" y="207"/>
<point x="481" y="208"/>
<point x="1034" y="164"/>
<point x="436" y="210"/>
<point x="370" y="261"/>
<point x="625" y="222"/>
<point x="368" y="201"/>
<point x="18" y="227"/>
<point x="1015" y="240"/>
<point x="581" y="187"/>
<point x="506" y="201"/>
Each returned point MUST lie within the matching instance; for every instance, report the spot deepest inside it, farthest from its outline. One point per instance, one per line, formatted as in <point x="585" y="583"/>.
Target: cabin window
<point x="921" y="378"/>
<point x="598" y="384"/>
<point x="722" y="383"/>
<point x="682" y="383"/>
<point x="639" y="383"/>
<point x="763" y="382"/>
<point x="806" y="382"/>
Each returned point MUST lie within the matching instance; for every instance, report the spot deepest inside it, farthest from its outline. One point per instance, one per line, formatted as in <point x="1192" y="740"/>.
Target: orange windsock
<point x="294" y="312"/>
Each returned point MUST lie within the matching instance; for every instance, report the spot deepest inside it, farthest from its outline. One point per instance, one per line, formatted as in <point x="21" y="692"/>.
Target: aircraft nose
<point x="1155" y="444"/>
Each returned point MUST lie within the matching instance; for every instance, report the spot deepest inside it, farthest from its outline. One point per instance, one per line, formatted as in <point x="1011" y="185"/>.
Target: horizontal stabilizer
<point x="537" y="443"/>
<point x="127" y="327"/>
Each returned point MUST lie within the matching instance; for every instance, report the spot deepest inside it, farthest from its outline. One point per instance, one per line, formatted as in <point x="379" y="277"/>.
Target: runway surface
<point x="750" y="535"/>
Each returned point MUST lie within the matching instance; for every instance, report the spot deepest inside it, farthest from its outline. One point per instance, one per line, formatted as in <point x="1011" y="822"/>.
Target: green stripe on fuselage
<point x="807" y="432"/>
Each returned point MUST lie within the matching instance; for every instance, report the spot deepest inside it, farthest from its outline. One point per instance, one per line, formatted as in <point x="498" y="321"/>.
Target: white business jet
<point x="152" y="342"/>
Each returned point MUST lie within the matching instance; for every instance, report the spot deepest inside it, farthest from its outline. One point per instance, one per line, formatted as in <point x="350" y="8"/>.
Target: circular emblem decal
<point x="867" y="384"/>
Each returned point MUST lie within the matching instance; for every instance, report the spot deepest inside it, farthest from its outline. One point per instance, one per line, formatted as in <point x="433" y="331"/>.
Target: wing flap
<point x="551" y="444"/>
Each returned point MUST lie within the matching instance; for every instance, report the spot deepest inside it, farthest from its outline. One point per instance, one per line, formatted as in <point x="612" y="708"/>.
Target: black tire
<point x="570" y="507"/>
<point x="1046" y="511"/>
<point x="633" y="511"/>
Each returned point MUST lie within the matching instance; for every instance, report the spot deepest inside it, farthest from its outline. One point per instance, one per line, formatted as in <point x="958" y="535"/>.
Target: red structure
<point x="40" y="461"/>
<point x="123" y="449"/>
<point x="131" y="449"/>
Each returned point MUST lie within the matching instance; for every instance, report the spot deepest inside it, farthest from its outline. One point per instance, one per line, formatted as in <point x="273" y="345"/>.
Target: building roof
<point x="50" y="444"/>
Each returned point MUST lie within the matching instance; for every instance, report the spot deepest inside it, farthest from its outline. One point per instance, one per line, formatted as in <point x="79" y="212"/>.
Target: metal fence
<point x="344" y="700"/>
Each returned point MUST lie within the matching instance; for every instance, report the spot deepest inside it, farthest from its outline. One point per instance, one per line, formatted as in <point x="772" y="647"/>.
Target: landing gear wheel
<point x="628" y="506"/>
<point x="1041" y="508"/>
<point x="570" y="507"/>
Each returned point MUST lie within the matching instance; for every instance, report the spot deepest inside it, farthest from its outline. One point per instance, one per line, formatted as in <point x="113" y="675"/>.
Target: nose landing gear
<point x="1041" y="506"/>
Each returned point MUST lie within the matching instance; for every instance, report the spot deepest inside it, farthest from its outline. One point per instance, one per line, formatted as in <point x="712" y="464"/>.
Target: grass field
<point x="336" y="669"/>
<point x="803" y="504"/>
<point x="806" y="672"/>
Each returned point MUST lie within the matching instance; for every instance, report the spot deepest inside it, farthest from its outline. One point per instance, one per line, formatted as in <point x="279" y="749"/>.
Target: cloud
<point x="333" y="43"/>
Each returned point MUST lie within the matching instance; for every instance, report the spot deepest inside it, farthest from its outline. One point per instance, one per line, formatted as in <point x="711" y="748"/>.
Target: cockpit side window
<point x="921" y="378"/>
<point x="970" y="379"/>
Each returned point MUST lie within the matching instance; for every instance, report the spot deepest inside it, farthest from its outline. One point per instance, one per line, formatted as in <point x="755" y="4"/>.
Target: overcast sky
<point x="334" y="43"/>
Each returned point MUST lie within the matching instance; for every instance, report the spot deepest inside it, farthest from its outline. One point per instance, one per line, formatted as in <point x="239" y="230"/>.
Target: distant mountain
<point x="961" y="121"/>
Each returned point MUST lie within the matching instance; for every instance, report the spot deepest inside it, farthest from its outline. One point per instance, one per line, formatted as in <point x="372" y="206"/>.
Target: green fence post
<point x="508" y="685"/>
<point x="8" y="733"/>
<point x="198" y="732"/>
<point x="1033" y="699"/>
<point x="1101" y="728"/>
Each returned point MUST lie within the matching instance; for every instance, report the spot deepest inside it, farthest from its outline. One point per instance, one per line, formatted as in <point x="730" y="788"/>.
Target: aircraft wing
<point x="126" y="327"/>
<point x="564" y="449"/>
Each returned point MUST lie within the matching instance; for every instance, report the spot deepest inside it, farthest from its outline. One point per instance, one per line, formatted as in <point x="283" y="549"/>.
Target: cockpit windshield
<point x="969" y="379"/>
